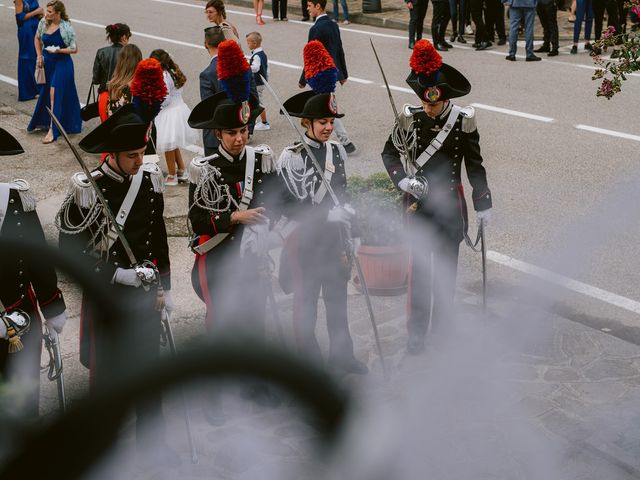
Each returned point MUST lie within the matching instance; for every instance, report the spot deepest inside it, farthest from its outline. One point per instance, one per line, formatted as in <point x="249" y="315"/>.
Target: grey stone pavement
<point x="523" y="391"/>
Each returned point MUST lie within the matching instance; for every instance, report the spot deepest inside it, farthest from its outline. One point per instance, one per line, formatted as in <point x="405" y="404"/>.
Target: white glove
<point x="413" y="186"/>
<point x="483" y="216"/>
<point x="342" y="214"/>
<point x="168" y="301"/>
<point x="52" y="48"/>
<point x="56" y="323"/>
<point x="126" y="276"/>
<point x="3" y="330"/>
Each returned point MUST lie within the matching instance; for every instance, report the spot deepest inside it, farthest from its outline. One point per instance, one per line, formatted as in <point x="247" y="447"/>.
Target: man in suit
<point x="213" y="36"/>
<point x="328" y="33"/>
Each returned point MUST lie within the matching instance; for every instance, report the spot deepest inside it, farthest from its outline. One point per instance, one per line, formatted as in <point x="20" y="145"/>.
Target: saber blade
<point x="484" y="267"/>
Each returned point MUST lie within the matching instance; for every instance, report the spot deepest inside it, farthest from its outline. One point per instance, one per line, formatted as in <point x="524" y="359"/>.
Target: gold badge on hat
<point x="432" y="94"/>
<point x="244" y="112"/>
<point x="333" y="104"/>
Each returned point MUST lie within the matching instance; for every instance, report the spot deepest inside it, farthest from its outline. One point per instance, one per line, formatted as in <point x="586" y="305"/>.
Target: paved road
<point x="565" y="202"/>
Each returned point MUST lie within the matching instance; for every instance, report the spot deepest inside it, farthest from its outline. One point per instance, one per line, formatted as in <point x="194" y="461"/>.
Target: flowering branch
<point x="625" y="58"/>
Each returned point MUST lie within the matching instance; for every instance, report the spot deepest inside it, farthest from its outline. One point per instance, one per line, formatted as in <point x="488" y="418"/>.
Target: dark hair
<point x="322" y="3"/>
<point x="213" y="36"/>
<point x="219" y="6"/>
<point x="116" y="31"/>
<point x="170" y="66"/>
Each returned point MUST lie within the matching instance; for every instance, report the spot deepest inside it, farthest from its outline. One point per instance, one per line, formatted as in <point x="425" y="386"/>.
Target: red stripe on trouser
<point x="204" y="287"/>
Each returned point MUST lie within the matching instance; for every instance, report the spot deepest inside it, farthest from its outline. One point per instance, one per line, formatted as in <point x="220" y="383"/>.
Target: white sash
<point x="5" y="188"/>
<point x="127" y="205"/>
<point x="329" y="170"/>
<point x="439" y="139"/>
<point x="247" y="196"/>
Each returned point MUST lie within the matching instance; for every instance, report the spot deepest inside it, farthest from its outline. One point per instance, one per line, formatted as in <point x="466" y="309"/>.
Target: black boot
<point x="544" y="48"/>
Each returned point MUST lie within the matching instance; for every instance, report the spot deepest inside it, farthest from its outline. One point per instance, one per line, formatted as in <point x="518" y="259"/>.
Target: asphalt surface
<point x="565" y="201"/>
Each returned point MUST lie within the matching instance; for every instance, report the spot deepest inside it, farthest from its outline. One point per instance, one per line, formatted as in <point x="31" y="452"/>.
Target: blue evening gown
<point x="27" y="87"/>
<point x="58" y="69"/>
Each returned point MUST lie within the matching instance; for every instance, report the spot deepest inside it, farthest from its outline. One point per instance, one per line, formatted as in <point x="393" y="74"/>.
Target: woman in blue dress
<point x="55" y="42"/>
<point x="28" y="14"/>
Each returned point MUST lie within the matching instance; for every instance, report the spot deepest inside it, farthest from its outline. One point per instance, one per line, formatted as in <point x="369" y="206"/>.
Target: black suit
<point x="209" y="86"/>
<point x="327" y="32"/>
<point x="440" y="220"/>
<point x="25" y="285"/>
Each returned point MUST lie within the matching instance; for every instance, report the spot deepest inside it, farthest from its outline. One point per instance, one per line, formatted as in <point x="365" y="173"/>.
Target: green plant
<point x="378" y="204"/>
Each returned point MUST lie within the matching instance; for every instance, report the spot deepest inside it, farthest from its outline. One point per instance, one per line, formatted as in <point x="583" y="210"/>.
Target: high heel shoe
<point x="48" y="138"/>
<point x="259" y="20"/>
<point x="171" y="181"/>
<point x="183" y="176"/>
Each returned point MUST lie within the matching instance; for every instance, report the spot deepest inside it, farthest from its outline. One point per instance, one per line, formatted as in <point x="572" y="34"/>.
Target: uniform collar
<point x="445" y="113"/>
<point x="230" y="158"/>
<point x="259" y="49"/>
<point x="312" y="142"/>
<point x="111" y="173"/>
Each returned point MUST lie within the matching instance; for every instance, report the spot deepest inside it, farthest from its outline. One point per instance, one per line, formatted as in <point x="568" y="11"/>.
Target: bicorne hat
<point x="234" y="107"/>
<point x="124" y="130"/>
<point x="8" y="144"/>
<point x="431" y="79"/>
<point x="321" y="74"/>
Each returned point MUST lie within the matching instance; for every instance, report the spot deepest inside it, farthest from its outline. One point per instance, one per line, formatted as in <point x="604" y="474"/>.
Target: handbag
<point x="40" y="78"/>
<point x="90" y="110"/>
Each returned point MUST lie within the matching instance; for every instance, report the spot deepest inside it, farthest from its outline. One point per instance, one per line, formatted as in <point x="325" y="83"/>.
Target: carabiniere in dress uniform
<point x="435" y="139"/>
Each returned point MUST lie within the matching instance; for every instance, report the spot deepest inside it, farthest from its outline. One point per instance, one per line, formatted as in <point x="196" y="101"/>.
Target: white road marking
<point x="360" y="80"/>
<point x="515" y="113"/>
<point x="399" y="89"/>
<point x="611" y="133"/>
<point x="9" y="80"/>
<point x="566" y="282"/>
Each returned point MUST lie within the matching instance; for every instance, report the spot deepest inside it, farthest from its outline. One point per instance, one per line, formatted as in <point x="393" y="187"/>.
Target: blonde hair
<point x="128" y="60"/>
<point x="58" y="7"/>
<point x="255" y="36"/>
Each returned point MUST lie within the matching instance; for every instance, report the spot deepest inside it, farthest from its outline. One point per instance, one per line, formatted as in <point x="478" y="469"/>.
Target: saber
<point x="187" y="418"/>
<point x="350" y="253"/>
<point x="408" y="160"/>
<point x="484" y="267"/>
<point x="56" y="371"/>
<point x="146" y="280"/>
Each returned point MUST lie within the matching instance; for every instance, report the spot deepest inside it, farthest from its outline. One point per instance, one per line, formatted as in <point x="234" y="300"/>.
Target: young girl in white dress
<point x="173" y="132"/>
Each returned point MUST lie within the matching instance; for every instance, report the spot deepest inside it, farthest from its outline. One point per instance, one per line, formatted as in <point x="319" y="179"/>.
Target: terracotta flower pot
<point x="385" y="269"/>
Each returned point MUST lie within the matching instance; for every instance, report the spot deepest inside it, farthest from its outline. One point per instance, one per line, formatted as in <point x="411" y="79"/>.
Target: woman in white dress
<point x="173" y="132"/>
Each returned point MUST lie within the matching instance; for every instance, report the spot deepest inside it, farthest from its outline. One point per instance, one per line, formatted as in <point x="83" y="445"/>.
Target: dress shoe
<point x="474" y="45"/>
<point x="574" y="50"/>
<point x="411" y="44"/>
<point x="453" y="37"/>
<point x="542" y="49"/>
<point x="483" y="46"/>
<point x="349" y="365"/>
<point x="415" y="344"/>
<point x="349" y="148"/>
<point x="588" y="46"/>
<point x="533" y="58"/>
<point x="502" y="40"/>
<point x="595" y="51"/>
<point x="447" y="44"/>
<point x="441" y="47"/>
<point x="511" y="58"/>
<point x="553" y="53"/>
<point x="461" y="39"/>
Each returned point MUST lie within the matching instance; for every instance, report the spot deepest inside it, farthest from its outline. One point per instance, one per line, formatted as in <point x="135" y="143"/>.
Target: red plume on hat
<point x="320" y="70"/>
<point x="148" y="89"/>
<point x="234" y="72"/>
<point x="425" y="59"/>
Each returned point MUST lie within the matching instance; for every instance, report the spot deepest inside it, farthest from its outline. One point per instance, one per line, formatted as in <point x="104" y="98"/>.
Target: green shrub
<point x="378" y="205"/>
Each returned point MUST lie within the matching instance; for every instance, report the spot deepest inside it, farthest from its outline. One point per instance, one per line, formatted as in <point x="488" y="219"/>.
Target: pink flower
<point x="636" y="9"/>
<point x="610" y="31"/>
